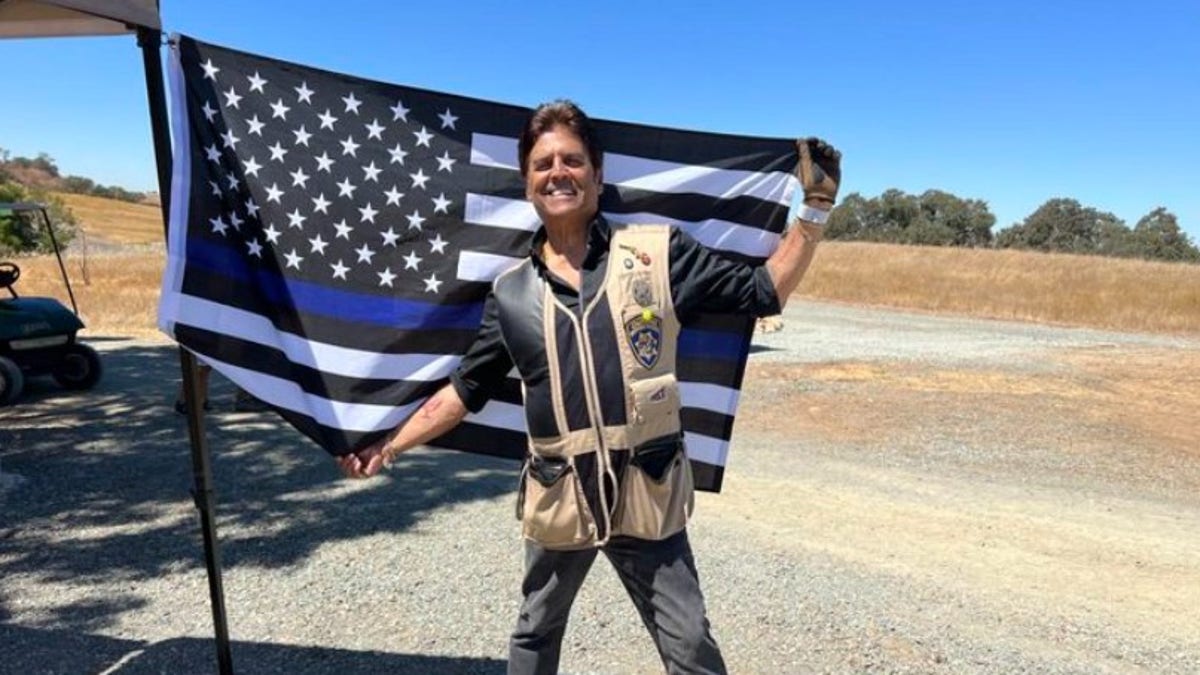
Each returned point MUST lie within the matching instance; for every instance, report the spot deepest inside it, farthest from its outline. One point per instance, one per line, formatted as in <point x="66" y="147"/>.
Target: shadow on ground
<point x="107" y="479"/>
<point x="55" y="652"/>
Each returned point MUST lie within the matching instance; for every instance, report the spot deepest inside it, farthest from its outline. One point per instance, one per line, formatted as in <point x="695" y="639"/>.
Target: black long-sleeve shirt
<point x="701" y="281"/>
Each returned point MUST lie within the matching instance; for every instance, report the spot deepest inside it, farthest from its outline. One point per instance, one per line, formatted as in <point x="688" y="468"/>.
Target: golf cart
<point x="37" y="335"/>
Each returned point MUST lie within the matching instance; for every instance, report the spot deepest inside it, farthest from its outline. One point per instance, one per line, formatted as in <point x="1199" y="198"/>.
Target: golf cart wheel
<point x="12" y="381"/>
<point x="79" y="369"/>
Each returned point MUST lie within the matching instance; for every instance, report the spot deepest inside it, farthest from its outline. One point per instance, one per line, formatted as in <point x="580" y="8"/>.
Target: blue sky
<point x="1011" y="102"/>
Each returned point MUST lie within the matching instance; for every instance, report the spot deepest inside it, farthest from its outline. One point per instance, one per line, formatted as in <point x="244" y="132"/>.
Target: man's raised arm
<point x="820" y="174"/>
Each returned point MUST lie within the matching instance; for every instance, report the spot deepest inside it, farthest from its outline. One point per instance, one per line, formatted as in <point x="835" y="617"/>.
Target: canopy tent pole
<point x="150" y="42"/>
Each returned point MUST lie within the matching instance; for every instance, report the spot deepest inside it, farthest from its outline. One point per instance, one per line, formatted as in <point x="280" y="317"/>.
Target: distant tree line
<point x="936" y="218"/>
<point x="42" y="171"/>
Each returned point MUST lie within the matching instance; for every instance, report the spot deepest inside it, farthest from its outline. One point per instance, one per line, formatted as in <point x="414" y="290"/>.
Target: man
<point x="590" y="320"/>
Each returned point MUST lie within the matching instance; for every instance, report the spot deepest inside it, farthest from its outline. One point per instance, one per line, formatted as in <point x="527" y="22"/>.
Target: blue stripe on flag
<point x="320" y="300"/>
<point x="709" y="344"/>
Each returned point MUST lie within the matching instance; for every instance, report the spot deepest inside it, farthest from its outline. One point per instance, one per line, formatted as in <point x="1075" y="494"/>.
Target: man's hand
<point x="366" y="462"/>
<point x="820" y="172"/>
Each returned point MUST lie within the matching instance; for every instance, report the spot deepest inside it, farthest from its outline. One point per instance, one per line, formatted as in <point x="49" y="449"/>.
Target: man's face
<point x="560" y="180"/>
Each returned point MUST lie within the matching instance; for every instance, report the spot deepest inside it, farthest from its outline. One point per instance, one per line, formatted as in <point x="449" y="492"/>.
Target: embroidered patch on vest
<point x="645" y="337"/>
<point x="643" y="295"/>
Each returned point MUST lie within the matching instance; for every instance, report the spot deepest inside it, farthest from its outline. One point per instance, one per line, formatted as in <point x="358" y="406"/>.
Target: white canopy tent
<point x="77" y="18"/>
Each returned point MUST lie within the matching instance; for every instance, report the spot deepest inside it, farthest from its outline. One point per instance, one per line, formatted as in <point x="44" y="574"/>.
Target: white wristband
<point x="808" y="213"/>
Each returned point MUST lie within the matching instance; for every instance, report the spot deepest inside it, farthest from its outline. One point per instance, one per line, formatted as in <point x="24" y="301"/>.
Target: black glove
<point x="820" y="171"/>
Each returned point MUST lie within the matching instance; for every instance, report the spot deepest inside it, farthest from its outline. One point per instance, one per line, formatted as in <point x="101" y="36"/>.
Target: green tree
<point x="26" y="233"/>
<point x="934" y="218"/>
<point x="1064" y="225"/>
<point x="954" y="221"/>
<point x="1157" y="236"/>
<point x="850" y="219"/>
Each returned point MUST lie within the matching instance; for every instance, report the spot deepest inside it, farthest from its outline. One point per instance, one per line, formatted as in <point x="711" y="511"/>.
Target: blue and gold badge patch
<point x="645" y="338"/>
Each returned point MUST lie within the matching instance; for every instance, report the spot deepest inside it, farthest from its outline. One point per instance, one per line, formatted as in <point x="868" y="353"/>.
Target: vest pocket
<point x="654" y="406"/>
<point x="552" y="505"/>
<point x="657" y="491"/>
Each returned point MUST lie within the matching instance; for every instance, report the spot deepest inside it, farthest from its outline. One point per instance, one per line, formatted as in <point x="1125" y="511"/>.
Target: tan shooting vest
<point x="606" y="453"/>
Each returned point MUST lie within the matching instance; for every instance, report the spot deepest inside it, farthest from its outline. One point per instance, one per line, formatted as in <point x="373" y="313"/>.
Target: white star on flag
<point x="256" y="82"/>
<point x="210" y="71"/>
<point x="303" y="93"/>
<point x="364" y="254"/>
<point x="368" y="213"/>
<point x="278" y="109"/>
<point x="419" y="178"/>
<point x="438" y="244"/>
<point x="293" y="259"/>
<point x="399" y="112"/>
<point x="318" y="245"/>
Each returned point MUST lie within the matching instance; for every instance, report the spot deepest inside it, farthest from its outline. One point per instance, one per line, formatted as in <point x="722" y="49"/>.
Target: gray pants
<point x="660" y="577"/>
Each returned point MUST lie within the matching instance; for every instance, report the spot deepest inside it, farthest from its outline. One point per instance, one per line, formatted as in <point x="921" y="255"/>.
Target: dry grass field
<point x="116" y="221"/>
<point x="1070" y="290"/>
<point x="121" y="292"/>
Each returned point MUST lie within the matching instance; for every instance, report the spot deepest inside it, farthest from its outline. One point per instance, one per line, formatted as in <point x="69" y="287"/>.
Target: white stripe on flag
<point x="511" y="214"/>
<point x="361" y="417"/>
<point x="654" y="175"/>
<point x="328" y="358"/>
<point x="706" y="448"/>
<point x="497" y="152"/>
<point x="474" y="266"/>
<point x="720" y="235"/>
<point x="500" y="415"/>
<point x="711" y="397"/>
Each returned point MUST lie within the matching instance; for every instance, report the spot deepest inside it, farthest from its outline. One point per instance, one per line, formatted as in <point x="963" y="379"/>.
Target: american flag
<point x="332" y="240"/>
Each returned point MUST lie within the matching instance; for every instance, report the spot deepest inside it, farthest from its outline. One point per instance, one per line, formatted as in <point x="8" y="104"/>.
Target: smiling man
<point x="590" y="320"/>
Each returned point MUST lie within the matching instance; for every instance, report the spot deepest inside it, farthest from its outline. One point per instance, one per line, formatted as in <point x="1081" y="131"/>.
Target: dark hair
<point x="546" y="117"/>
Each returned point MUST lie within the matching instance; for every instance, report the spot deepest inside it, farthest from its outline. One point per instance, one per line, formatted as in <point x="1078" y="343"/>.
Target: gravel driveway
<point x="906" y="494"/>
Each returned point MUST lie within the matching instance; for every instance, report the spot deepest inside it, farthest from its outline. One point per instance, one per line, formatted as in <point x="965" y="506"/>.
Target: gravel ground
<point x="939" y="496"/>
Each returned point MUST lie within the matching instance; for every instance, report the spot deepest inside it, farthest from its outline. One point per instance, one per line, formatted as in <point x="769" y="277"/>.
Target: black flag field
<point x="332" y="240"/>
